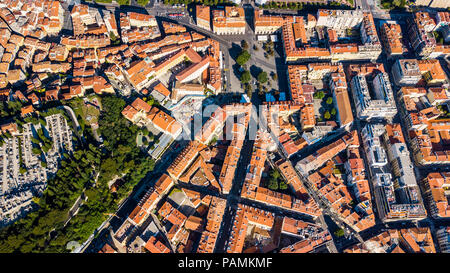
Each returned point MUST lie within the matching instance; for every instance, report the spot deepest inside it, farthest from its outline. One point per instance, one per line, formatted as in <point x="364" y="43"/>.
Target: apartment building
<point x="339" y="190"/>
<point x="229" y="21"/>
<point x="427" y="130"/>
<point x="436" y="193"/>
<point x="397" y="194"/>
<point x="270" y="24"/>
<point x="420" y="35"/>
<point x="110" y="23"/>
<point x="371" y="138"/>
<point x="214" y="218"/>
<point x="193" y="71"/>
<point x="252" y="189"/>
<point x="311" y="236"/>
<point x="141" y="113"/>
<point x="319" y="157"/>
<point x="442" y="19"/>
<point x="331" y="22"/>
<point x="339" y="19"/>
<point x="203" y="17"/>
<point x="413" y="240"/>
<point x="379" y="105"/>
<point x="369" y="35"/>
<point x="238" y="131"/>
<point x="245" y="218"/>
<point x="443" y="238"/>
<point x="338" y="85"/>
<point x="406" y="72"/>
<point x="391" y="37"/>
<point x="432" y="72"/>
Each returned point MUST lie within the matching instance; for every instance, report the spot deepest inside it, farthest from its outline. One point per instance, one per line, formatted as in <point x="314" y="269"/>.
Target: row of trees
<point x="283" y="5"/>
<point x="301" y="6"/>
<point x="203" y="2"/>
<point x="329" y="112"/>
<point x="120" y="2"/>
<point x="10" y="109"/>
<point x="393" y="4"/>
<point x="42" y="141"/>
<point x="31" y="234"/>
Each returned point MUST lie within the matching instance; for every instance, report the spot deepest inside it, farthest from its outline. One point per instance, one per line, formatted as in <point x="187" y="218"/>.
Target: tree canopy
<point x="87" y="169"/>
<point x="245" y="77"/>
<point x="262" y="77"/>
<point x="243" y="58"/>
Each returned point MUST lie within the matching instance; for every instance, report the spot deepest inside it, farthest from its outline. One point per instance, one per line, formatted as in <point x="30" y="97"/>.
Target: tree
<point x="275" y="174"/>
<point x="397" y="3"/>
<point x="123" y="2"/>
<point x="243" y="58"/>
<point x="112" y="36"/>
<point x="145" y="131"/>
<point x="22" y="170"/>
<point x="283" y="185"/>
<point x="274" y="76"/>
<point x="339" y="233"/>
<point x="213" y="141"/>
<point x="150" y="100"/>
<point x="262" y="77"/>
<point x="248" y="90"/>
<point x="244" y="44"/>
<point x="245" y="77"/>
<point x="14" y="106"/>
<point x="35" y="141"/>
<point x="273" y="184"/>
<point x="36" y="151"/>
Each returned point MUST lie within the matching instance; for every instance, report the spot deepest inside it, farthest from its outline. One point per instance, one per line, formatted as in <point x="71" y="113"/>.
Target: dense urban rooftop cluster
<point x="413" y="240"/>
